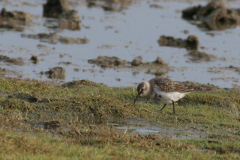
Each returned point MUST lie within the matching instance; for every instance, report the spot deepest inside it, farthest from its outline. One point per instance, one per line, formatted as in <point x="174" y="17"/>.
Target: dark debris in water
<point x="16" y="61"/>
<point x="53" y="8"/>
<point x="12" y="19"/>
<point x="197" y="56"/>
<point x="35" y="59"/>
<point x="137" y="61"/>
<point x="110" y="5"/>
<point x="67" y="19"/>
<point x="56" y="73"/>
<point x="110" y="62"/>
<point x="191" y="42"/>
<point x="107" y="62"/>
<point x="214" y="16"/>
<point x="236" y="69"/>
<point x="54" y="38"/>
<point x="157" y="67"/>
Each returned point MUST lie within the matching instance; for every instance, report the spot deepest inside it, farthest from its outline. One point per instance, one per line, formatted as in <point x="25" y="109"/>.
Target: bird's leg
<point x="163" y="107"/>
<point x="173" y="108"/>
<point x="156" y="98"/>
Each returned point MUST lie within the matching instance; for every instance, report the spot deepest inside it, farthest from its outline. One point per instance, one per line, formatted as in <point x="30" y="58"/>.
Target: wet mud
<point x="35" y="59"/>
<point x="234" y="68"/>
<point x="191" y="42"/>
<point x="14" y="19"/>
<point x="145" y="128"/>
<point x="56" y="15"/>
<point x="214" y="16"/>
<point x="53" y="8"/>
<point x="137" y="61"/>
<point x="56" y="73"/>
<point x="54" y="38"/>
<point x="67" y="19"/>
<point x="15" y="61"/>
<point x="157" y="67"/>
<point x="107" y="62"/>
<point x="75" y="84"/>
<point x="197" y="56"/>
<point x="110" y="5"/>
<point x="192" y="46"/>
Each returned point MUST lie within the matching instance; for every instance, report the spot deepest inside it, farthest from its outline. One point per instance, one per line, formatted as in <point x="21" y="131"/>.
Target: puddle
<point x="134" y="126"/>
<point x="131" y="29"/>
<point x="143" y="127"/>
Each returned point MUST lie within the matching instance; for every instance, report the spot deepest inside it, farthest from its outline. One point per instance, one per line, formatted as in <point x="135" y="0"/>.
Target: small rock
<point x="56" y="73"/>
<point x="35" y="59"/>
<point x="53" y="8"/>
<point x="185" y="31"/>
<point x="137" y="61"/>
<point x="160" y="61"/>
<point x="105" y="61"/>
<point x="193" y="41"/>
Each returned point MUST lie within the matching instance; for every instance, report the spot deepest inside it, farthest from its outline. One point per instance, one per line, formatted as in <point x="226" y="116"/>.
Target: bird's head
<point x="143" y="90"/>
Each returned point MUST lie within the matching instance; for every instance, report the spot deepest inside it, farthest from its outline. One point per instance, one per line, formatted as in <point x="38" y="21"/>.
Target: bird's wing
<point x="168" y="85"/>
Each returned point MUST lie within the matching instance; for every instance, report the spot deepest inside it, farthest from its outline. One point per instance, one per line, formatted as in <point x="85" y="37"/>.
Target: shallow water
<point x="145" y="127"/>
<point x="134" y="126"/>
<point x="128" y="33"/>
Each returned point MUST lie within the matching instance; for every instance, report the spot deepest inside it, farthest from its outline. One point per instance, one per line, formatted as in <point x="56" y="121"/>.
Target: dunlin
<point x="164" y="90"/>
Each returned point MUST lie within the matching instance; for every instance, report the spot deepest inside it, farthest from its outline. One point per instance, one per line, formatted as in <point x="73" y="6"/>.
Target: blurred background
<point x="121" y="42"/>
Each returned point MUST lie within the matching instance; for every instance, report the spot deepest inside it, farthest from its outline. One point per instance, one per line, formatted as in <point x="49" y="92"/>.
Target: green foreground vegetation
<point x="41" y="120"/>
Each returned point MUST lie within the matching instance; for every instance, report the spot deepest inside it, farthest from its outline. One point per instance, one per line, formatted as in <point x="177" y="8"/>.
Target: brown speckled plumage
<point x="163" y="90"/>
<point x="168" y="85"/>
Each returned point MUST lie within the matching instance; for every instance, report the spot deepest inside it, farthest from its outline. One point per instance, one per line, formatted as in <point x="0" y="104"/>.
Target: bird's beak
<point x="137" y="98"/>
<point x="139" y="94"/>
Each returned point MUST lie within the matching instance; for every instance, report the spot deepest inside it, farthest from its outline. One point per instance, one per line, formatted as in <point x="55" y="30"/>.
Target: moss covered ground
<point x="46" y="120"/>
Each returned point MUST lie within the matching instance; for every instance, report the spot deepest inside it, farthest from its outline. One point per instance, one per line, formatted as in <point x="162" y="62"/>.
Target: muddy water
<point x="134" y="126"/>
<point x="145" y="127"/>
<point x="133" y="31"/>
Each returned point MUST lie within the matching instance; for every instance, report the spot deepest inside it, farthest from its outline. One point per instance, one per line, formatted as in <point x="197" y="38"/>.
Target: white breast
<point x="168" y="97"/>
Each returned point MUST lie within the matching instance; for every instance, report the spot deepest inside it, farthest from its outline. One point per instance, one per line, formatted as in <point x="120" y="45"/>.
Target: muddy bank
<point x="54" y="38"/>
<point x="214" y="16"/>
<point x="14" y="19"/>
<point x="75" y="84"/>
<point x="67" y="19"/>
<point x="197" y="56"/>
<point x="56" y="73"/>
<point x="4" y="72"/>
<point x="15" y="61"/>
<point x="191" y="42"/>
<point x="157" y="67"/>
<point x="53" y="8"/>
<point x="110" y="5"/>
<point x="109" y="62"/>
<point x="35" y="59"/>
<point x="236" y="69"/>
